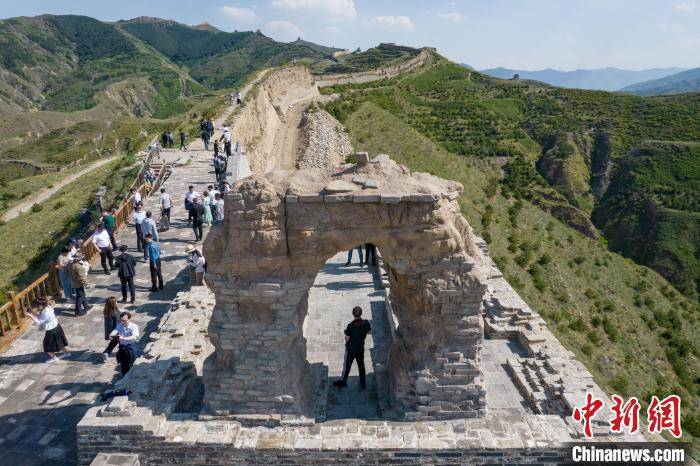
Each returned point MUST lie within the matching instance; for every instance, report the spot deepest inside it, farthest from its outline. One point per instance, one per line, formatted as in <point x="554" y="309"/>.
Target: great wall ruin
<point x="470" y="373"/>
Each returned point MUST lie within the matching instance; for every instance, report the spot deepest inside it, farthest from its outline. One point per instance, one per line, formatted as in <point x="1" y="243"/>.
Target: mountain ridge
<point x="684" y="81"/>
<point x="607" y="79"/>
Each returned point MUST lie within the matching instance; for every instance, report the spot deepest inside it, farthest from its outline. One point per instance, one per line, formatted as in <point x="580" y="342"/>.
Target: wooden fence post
<point x="15" y="319"/>
<point x="55" y="288"/>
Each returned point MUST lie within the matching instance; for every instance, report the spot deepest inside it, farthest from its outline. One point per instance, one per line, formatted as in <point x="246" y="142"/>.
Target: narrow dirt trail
<point x="41" y="196"/>
<point x="287" y="140"/>
<point x="219" y="121"/>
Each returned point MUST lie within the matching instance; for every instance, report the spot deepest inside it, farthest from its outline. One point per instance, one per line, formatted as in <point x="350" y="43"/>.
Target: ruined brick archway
<point x="281" y="227"/>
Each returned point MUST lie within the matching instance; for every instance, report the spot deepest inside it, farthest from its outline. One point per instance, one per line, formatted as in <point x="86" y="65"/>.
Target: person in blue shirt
<point x="153" y="251"/>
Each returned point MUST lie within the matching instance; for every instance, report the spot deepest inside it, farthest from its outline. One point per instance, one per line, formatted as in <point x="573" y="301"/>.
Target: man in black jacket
<point x="355" y="334"/>
<point x="197" y="210"/>
<point x="126" y="266"/>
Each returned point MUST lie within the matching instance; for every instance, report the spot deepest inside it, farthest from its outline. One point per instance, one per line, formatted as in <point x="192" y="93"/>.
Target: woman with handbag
<point x="54" y="338"/>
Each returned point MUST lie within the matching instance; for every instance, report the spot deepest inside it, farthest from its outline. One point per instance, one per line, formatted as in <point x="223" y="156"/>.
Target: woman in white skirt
<point x="54" y="338"/>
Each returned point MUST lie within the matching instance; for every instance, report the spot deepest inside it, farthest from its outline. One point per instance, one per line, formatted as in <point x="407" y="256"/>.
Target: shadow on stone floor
<point x="73" y="388"/>
<point x="351" y="402"/>
<point x="40" y="357"/>
<point x="41" y="437"/>
<point x="345" y="285"/>
<point x="333" y="268"/>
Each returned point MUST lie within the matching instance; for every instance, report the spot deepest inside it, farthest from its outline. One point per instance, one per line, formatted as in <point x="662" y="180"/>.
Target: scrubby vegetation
<point x="571" y="152"/>
<point x="630" y="327"/>
<point x="373" y="58"/>
<point x="217" y="59"/>
<point x="633" y="329"/>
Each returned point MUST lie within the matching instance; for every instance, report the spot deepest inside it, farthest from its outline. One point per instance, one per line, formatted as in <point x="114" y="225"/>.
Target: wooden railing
<point x="153" y="151"/>
<point x="126" y="210"/>
<point x="13" y="320"/>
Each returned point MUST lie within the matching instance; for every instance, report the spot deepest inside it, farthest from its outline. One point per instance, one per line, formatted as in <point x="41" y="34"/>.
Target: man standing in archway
<point x="355" y="334"/>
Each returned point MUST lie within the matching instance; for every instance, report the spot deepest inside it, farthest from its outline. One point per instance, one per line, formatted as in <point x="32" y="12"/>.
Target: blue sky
<point x="524" y="34"/>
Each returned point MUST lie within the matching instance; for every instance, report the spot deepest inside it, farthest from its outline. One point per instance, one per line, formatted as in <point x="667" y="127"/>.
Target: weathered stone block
<point x="366" y="198"/>
<point x="309" y="198"/>
<point x="335" y="198"/>
<point x="391" y="198"/>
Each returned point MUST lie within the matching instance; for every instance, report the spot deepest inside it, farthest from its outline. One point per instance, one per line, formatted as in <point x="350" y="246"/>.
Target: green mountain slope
<point x="325" y="50"/>
<point x="685" y="81"/>
<point x="651" y="211"/>
<point x="625" y="322"/>
<point x="214" y="58"/>
<point x="565" y="150"/>
<point x="69" y="63"/>
<point x="376" y="57"/>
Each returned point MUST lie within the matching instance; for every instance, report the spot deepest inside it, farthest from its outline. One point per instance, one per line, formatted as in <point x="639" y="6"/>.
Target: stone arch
<point x="281" y="227"/>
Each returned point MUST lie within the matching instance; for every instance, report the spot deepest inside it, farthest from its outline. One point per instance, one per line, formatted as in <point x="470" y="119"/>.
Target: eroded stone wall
<point x="264" y="113"/>
<point x="280" y="228"/>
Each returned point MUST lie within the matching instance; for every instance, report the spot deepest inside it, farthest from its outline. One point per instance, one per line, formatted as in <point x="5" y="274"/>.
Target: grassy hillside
<point x="566" y="150"/>
<point x="651" y="210"/>
<point x="51" y="222"/>
<point x="376" y="57"/>
<point x="216" y="59"/>
<point x="325" y="50"/>
<point x="633" y="330"/>
<point x="67" y="63"/>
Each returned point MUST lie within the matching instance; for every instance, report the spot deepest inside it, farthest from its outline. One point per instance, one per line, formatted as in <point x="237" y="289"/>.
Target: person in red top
<point x="355" y="334"/>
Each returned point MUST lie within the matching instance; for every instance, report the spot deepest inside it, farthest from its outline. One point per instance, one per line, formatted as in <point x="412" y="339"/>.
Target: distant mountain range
<point x="685" y="81"/>
<point x="604" y="79"/>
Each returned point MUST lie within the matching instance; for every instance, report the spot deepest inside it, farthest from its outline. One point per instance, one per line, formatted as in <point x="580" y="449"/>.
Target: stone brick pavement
<point x="41" y="403"/>
<point x="336" y="290"/>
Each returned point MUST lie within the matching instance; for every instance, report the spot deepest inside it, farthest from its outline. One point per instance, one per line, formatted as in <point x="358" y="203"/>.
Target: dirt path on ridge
<point x="287" y="140"/>
<point x="43" y="195"/>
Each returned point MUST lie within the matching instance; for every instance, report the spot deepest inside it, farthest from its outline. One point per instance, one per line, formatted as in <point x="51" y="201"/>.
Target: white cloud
<point x="238" y="14"/>
<point x="285" y="30"/>
<point x="331" y="30"/>
<point x="686" y="7"/>
<point x="450" y="16"/>
<point x="332" y="9"/>
<point x="394" y="23"/>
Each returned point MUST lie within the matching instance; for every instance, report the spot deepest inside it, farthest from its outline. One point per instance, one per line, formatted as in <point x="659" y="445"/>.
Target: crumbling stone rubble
<point x="325" y="140"/>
